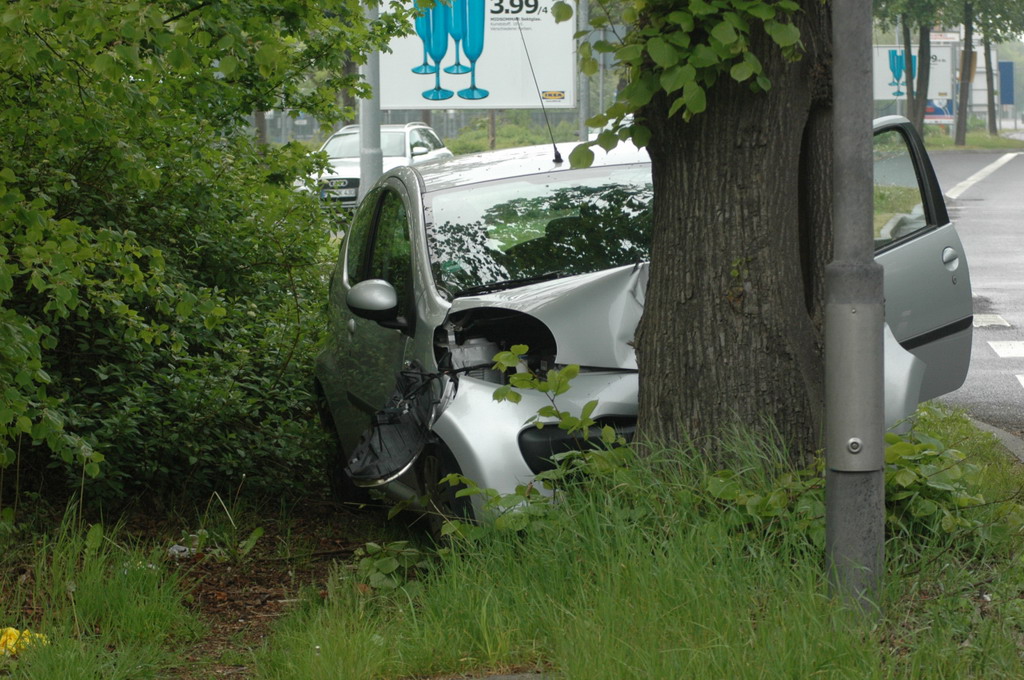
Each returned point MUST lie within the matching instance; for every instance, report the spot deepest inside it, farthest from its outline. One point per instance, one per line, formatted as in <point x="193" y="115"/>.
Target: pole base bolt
<point x="855" y="445"/>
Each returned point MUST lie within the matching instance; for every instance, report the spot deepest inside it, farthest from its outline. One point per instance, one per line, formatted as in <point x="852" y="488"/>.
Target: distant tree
<point x="920" y="16"/>
<point x="998" y="21"/>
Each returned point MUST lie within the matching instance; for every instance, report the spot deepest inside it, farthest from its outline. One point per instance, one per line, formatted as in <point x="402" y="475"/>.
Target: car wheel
<point x="436" y="463"/>
<point x="335" y="459"/>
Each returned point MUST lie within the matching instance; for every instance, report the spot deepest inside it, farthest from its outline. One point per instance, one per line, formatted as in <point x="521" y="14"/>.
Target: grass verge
<point x="977" y="140"/>
<point x="645" y="574"/>
<point x="109" y="609"/>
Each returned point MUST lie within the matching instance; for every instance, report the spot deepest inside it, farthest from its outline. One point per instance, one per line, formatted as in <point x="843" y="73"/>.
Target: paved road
<point x="989" y="214"/>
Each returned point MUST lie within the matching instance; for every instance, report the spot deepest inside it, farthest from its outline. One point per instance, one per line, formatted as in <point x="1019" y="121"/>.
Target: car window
<point x="898" y="200"/>
<point x="418" y="136"/>
<point x="391" y="248"/>
<point x="359" y="237"/>
<point x="346" y="144"/>
<point x="428" y="138"/>
<point x="545" y="225"/>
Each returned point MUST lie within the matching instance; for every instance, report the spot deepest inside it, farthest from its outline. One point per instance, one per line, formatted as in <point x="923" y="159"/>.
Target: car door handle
<point x="351" y="325"/>
<point x="950" y="259"/>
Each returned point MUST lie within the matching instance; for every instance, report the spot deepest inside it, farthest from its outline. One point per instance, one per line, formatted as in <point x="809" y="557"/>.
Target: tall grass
<point x="109" y="609"/>
<point x="639" y="576"/>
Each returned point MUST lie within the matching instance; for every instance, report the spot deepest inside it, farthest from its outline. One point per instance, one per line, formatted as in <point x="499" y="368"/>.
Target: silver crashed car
<point x="445" y="264"/>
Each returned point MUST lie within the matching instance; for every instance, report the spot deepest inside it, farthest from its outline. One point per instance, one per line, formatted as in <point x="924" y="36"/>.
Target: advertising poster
<point x="477" y="54"/>
<point x="891" y="71"/>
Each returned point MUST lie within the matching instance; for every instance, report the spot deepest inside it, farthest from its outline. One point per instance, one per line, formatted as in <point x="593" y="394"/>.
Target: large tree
<point x="732" y="99"/>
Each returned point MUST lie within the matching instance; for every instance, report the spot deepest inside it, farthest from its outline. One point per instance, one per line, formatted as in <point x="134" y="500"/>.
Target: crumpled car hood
<point x="593" y="317"/>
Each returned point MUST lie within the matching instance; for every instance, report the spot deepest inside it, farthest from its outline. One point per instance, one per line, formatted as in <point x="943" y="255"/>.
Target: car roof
<point x="505" y="163"/>
<point x="349" y="129"/>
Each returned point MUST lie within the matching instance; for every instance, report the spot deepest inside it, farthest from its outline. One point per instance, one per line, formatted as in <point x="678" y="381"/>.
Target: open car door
<point x="928" y="304"/>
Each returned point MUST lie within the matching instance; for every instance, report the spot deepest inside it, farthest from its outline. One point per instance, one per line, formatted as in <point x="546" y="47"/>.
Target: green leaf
<point x="923" y="507"/>
<point x="227" y="65"/>
<point x="682" y="19"/>
<point x="695" y="98"/>
<point x="741" y="71"/>
<point x="641" y="135"/>
<point x="24" y="424"/>
<point x="581" y="156"/>
<point x="106" y="65"/>
<point x="900" y="451"/>
<point x="561" y="11"/>
<point x="639" y="92"/>
<point x="607" y="140"/>
<point x="629" y="53"/>
<point x="663" y="54"/>
<point x="903" y="477"/>
<point x="724" y="33"/>
<point x="94" y="538"/>
<point x="761" y="10"/>
<point x="701" y="8"/>
<point x="784" y="35"/>
<point x="723" y="485"/>
<point x="677" y="77"/>
<point x="703" y="56"/>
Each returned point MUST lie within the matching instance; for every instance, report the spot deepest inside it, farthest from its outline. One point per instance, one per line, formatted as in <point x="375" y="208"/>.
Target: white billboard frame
<point x="515" y="35"/>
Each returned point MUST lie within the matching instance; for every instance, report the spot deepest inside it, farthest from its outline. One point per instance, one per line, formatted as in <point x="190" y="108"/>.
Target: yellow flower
<point x="13" y="640"/>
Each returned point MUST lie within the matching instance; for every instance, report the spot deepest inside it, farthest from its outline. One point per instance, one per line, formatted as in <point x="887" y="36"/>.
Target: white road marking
<point x="1021" y="379"/>
<point x="1008" y="350"/>
<point x="989" y="320"/>
<point x="955" y="192"/>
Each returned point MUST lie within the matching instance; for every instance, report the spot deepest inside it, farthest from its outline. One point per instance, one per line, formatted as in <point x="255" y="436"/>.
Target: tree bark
<point x="908" y="69"/>
<point x="966" y="75"/>
<point x="741" y="233"/>
<point x="924" y="72"/>
<point x="990" y="86"/>
<point x="260" y="123"/>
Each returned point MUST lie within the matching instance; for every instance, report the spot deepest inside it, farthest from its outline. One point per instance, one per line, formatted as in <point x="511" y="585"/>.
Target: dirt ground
<point x="239" y="601"/>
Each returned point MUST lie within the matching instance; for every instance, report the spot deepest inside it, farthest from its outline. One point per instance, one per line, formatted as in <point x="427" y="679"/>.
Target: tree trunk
<point x="742" y="230"/>
<point x="260" y="123"/>
<point x="966" y="75"/>
<point x="990" y="86"/>
<point x="908" y="69"/>
<point x="924" y="72"/>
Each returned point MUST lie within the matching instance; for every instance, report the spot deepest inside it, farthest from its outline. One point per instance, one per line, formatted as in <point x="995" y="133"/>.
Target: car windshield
<point x="509" y="232"/>
<point x="346" y="144"/>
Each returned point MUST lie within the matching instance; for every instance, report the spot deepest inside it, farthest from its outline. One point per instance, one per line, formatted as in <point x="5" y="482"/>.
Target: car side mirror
<point x="420" y="149"/>
<point x="376" y="300"/>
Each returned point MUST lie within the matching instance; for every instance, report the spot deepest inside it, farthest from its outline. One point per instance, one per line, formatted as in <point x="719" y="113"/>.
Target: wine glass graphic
<point x="437" y="47"/>
<point x="458" y="30"/>
<point x="473" y="46"/>
<point x="896" y="65"/>
<point x="422" y="24"/>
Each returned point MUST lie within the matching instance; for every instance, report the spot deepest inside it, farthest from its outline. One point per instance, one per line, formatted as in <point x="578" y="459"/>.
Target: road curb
<point x="1012" y="442"/>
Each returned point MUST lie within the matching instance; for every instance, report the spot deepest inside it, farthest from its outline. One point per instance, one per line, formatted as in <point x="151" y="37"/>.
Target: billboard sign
<point x="477" y="54"/>
<point x="939" y="111"/>
<point x="890" y="71"/>
<point x="1006" y="83"/>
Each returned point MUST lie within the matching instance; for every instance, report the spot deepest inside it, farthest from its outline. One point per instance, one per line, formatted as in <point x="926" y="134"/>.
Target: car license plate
<point x="338" y="193"/>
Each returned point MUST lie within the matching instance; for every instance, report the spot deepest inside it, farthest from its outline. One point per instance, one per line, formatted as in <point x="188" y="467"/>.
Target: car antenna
<point x="558" y="156"/>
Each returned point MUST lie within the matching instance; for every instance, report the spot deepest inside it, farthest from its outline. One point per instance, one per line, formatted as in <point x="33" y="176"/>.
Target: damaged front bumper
<point x="499" y="450"/>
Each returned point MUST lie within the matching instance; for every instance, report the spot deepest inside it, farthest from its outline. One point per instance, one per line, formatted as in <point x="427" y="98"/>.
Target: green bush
<point x="161" y="276"/>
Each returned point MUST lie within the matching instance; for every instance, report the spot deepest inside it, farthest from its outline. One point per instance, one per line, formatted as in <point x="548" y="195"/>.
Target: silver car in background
<point x="401" y="144"/>
<point x="446" y="264"/>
